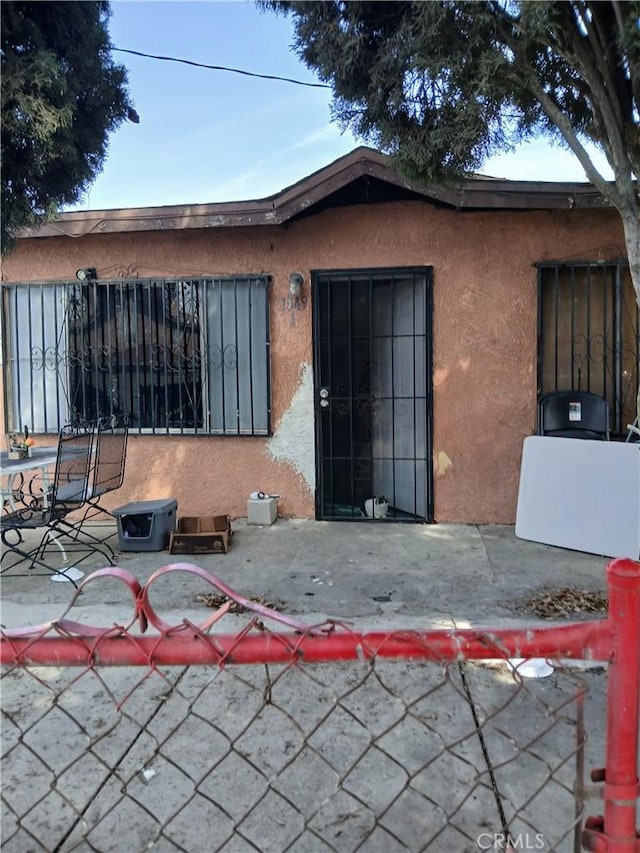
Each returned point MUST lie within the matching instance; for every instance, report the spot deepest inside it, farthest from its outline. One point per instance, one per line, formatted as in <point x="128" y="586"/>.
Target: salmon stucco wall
<point x="484" y="341"/>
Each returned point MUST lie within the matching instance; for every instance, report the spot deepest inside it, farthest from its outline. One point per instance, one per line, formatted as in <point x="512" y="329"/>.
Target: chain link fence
<point x="313" y="739"/>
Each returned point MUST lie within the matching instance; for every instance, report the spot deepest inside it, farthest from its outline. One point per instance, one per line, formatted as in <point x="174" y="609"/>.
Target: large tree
<point x="61" y="96"/>
<point x="441" y="85"/>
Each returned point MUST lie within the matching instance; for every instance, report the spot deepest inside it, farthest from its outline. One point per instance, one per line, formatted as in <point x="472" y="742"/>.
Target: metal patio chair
<point x="53" y="511"/>
<point x="573" y="414"/>
<point x="111" y="457"/>
<point x="107" y="473"/>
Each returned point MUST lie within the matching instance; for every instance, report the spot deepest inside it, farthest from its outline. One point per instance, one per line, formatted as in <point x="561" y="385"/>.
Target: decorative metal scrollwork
<point x="174" y="359"/>
<point x="49" y="358"/>
<point x="192" y="360"/>
<point x="121" y="271"/>
<point x="226" y="357"/>
<point x="82" y="359"/>
<point x="365" y="409"/>
<point x="230" y="356"/>
<point x="163" y="358"/>
<point x="593" y="350"/>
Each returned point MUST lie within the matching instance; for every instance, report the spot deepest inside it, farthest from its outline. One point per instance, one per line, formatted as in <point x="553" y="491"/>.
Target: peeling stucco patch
<point x="293" y="441"/>
<point x="443" y="463"/>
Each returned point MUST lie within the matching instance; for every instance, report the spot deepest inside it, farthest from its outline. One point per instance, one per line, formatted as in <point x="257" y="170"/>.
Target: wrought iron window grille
<point x="186" y="356"/>
<point x="588" y="334"/>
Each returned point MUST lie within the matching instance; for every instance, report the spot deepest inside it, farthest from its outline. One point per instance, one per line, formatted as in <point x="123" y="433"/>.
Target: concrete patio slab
<point x="430" y="575"/>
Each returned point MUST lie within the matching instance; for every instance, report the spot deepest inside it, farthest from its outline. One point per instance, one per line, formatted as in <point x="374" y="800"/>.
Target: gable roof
<point x="363" y="176"/>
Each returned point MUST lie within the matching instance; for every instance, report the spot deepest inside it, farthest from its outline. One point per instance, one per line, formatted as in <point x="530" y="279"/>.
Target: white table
<point x="41" y="460"/>
<point x="581" y="494"/>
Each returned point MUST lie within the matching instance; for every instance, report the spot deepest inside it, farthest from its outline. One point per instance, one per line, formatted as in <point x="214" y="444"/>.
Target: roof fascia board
<point x="478" y="193"/>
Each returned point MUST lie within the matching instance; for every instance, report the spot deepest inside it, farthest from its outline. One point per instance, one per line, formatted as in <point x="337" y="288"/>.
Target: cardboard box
<point x="201" y="534"/>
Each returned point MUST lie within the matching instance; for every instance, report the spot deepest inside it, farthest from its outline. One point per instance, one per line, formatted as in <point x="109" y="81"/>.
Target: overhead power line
<point x="223" y="68"/>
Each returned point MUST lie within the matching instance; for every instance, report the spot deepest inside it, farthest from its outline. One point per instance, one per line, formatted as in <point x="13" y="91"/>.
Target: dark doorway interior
<point x="372" y="342"/>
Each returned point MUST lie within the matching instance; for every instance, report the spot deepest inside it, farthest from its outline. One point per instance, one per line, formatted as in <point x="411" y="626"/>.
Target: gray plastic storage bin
<point x="146" y="525"/>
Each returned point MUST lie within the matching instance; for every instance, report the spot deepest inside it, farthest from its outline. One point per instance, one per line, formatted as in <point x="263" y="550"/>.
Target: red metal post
<point x="616" y="832"/>
<point x="623" y="708"/>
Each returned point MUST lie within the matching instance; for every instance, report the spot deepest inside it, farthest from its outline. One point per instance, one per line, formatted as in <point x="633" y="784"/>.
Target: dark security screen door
<point x="372" y="345"/>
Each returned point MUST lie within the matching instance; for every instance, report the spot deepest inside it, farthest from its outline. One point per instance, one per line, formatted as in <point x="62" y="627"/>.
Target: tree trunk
<point x="631" y="225"/>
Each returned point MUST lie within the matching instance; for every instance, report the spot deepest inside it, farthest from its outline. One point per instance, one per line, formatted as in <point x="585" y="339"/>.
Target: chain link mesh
<point x="370" y="754"/>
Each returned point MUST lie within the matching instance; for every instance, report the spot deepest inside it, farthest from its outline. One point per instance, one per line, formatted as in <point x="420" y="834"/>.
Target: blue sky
<point x="208" y="136"/>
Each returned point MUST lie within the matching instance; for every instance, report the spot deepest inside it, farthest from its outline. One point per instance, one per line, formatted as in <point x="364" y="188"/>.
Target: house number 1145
<point x="293" y="304"/>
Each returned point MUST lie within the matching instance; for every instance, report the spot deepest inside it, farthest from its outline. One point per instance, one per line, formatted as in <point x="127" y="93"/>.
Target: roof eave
<point x="479" y="193"/>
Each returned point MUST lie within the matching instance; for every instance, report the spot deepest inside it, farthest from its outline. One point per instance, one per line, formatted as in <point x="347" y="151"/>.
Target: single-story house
<point x="355" y="336"/>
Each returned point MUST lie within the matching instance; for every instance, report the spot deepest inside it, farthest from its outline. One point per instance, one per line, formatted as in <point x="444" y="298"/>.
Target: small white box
<point x="263" y="511"/>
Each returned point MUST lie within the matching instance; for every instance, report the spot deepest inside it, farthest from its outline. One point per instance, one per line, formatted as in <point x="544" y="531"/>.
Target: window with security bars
<point x="175" y="356"/>
<point x="588" y="334"/>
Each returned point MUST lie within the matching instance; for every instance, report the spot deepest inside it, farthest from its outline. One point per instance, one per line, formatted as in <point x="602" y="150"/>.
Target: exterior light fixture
<point x="87" y="274"/>
<point x="296" y="280"/>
